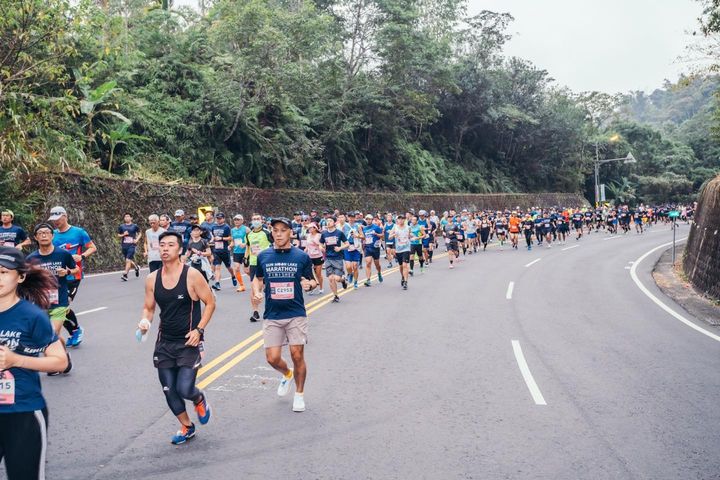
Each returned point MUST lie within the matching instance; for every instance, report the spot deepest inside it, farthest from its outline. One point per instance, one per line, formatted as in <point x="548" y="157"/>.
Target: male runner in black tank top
<point x="179" y="291"/>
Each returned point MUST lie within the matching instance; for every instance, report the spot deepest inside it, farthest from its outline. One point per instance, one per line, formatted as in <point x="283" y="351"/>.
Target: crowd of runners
<point x="280" y="259"/>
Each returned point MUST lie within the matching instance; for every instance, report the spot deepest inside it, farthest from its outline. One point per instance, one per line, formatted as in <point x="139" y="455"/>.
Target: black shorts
<point x="577" y="225"/>
<point x="238" y="258"/>
<point x="221" y="257"/>
<point x="128" y="252"/>
<point x="73" y="286"/>
<point x="23" y="443"/>
<point x="402" y="257"/>
<point x="372" y="252"/>
<point x="454" y="247"/>
<point x="317" y="261"/>
<point x="253" y="271"/>
<point x="175" y="354"/>
<point x="416" y="249"/>
<point x="155" y="265"/>
<point x="389" y="245"/>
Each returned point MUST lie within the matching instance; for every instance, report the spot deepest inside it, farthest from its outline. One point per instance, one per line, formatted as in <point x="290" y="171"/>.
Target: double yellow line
<point x="310" y="307"/>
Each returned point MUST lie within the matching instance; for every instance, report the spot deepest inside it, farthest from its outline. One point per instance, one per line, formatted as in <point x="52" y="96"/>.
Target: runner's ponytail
<point x="36" y="286"/>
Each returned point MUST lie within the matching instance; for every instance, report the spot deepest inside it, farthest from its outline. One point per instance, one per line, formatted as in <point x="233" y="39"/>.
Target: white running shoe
<point x="299" y="403"/>
<point x="321" y="291"/>
<point x="285" y="383"/>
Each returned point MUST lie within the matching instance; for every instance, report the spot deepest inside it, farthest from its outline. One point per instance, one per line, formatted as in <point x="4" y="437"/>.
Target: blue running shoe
<point x="203" y="410"/>
<point x="183" y="435"/>
<point x="76" y="338"/>
<point x="380" y="279"/>
<point x="234" y="280"/>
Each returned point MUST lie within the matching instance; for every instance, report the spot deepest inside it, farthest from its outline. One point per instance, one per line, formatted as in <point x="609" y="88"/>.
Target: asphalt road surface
<point x="550" y="364"/>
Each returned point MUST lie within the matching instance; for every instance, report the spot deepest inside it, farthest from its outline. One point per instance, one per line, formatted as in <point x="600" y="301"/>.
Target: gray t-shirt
<point x="153" y="241"/>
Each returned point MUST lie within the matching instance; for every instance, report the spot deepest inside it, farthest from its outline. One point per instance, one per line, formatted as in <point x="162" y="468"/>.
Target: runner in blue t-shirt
<point x="27" y="346"/>
<point x="285" y="271"/>
<point x="333" y="242"/>
<point x="76" y="241"/>
<point x="239" y="240"/>
<point x="221" y="238"/>
<point x="61" y="264"/>
<point x="389" y="242"/>
<point x="372" y="235"/>
<point x="129" y="235"/>
<point x="12" y="235"/>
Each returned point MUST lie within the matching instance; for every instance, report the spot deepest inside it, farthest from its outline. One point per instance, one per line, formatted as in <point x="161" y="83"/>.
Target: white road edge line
<point x="119" y="272"/>
<point x="633" y="274"/>
<point x="570" y="248"/>
<point x="527" y="376"/>
<point x="91" y="311"/>
<point x="612" y="238"/>
<point x="534" y="261"/>
<point x="508" y="295"/>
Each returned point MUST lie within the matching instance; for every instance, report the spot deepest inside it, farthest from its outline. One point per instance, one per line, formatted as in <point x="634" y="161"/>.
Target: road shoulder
<point x="671" y="282"/>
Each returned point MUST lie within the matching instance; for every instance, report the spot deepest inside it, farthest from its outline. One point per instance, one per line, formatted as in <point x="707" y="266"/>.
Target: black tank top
<point x="179" y="314"/>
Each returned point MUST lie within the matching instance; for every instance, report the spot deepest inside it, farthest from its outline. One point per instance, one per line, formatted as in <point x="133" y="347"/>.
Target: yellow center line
<point x="316" y="305"/>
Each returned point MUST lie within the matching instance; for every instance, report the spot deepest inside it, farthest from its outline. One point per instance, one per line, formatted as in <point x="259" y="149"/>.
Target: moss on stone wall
<point x="701" y="260"/>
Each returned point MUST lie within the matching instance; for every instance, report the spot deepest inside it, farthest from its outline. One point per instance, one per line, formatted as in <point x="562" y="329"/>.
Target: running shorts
<point x="317" y="261"/>
<point x="58" y="314"/>
<point x="416" y="249"/>
<point x="128" y="252"/>
<point x="291" y="331"/>
<point x="402" y="257"/>
<point x="221" y="257"/>
<point x="23" y="443"/>
<point x="239" y="258"/>
<point x="372" y="252"/>
<point x="175" y="354"/>
<point x="334" y="266"/>
<point x="352" y="256"/>
<point x="73" y="286"/>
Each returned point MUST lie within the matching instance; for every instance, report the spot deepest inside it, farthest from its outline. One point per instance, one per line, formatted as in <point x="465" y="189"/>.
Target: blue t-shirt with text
<point x="281" y="272"/>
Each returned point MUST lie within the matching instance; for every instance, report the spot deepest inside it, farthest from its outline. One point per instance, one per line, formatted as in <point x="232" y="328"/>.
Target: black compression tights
<point x="178" y="385"/>
<point x="528" y="238"/>
<point x="71" y="324"/>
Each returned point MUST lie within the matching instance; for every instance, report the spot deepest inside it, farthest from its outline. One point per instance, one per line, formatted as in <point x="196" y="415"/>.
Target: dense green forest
<point x="409" y="95"/>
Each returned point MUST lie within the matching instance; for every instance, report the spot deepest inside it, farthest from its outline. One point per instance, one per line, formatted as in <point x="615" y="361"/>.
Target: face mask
<point x="256" y="224"/>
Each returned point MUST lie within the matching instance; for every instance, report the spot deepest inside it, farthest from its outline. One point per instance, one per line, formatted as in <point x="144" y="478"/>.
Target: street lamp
<point x="627" y="159"/>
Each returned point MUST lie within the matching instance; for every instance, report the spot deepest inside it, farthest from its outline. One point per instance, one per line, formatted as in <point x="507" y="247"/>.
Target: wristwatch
<point x="201" y="331"/>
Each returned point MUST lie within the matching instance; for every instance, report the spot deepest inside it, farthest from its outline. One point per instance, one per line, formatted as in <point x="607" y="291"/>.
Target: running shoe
<point x="336" y="299"/>
<point x="285" y="384"/>
<point x="137" y="271"/>
<point x="344" y="284"/>
<point x="124" y="277"/>
<point x="313" y="292"/>
<point x="367" y="283"/>
<point x="404" y="285"/>
<point x="422" y="269"/>
<point x="355" y="285"/>
<point x="216" y="286"/>
<point x="350" y="278"/>
<point x="234" y="281"/>
<point x="380" y="279"/>
<point x="241" y="288"/>
<point x="299" y="403"/>
<point x="321" y="291"/>
<point x="412" y="273"/>
<point x="389" y="265"/>
<point x="203" y="410"/>
<point x="255" y="316"/>
<point x="452" y="266"/>
<point x="183" y="435"/>
<point x="66" y="371"/>
<point x="76" y="338"/>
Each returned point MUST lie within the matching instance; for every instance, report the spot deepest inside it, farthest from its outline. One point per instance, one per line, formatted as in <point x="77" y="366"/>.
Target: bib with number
<point x="128" y="239"/>
<point x="219" y="245"/>
<point x="7" y="388"/>
<point x="282" y="290"/>
<point x="369" y="240"/>
<point x="255" y="249"/>
<point x="53" y="296"/>
<point x="331" y="240"/>
<point x="154" y="244"/>
<point x="9" y="244"/>
<point x="238" y="242"/>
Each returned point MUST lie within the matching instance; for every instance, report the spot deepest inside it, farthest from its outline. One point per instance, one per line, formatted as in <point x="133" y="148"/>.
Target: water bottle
<point x="140" y="336"/>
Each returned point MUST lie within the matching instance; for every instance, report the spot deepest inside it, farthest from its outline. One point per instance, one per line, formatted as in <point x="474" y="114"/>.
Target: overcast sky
<point x="605" y="45"/>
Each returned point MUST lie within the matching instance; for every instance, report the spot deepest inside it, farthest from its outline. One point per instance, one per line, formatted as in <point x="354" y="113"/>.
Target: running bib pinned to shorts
<point x="219" y="245"/>
<point x="282" y="290"/>
<point x="128" y="239"/>
<point x="7" y="388"/>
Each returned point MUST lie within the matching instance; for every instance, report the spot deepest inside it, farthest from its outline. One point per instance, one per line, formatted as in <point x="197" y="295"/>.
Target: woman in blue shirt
<point x="25" y="333"/>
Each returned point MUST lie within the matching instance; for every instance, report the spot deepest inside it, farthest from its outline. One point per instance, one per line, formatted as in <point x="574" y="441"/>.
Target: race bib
<point x="331" y="241"/>
<point x="282" y="290"/>
<point x="128" y="239"/>
<point x="377" y="244"/>
<point x="369" y="240"/>
<point x="459" y="236"/>
<point x="154" y="244"/>
<point x="219" y="245"/>
<point x="255" y="249"/>
<point x="53" y="296"/>
<point x="7" y="388"/>
<point x="9" y="244"/>
<point x="238" y="242"/>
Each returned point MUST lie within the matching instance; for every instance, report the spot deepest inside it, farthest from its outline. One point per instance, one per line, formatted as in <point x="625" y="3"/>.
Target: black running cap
<point x="11" y="258"/>
<point x="282" y="220"/>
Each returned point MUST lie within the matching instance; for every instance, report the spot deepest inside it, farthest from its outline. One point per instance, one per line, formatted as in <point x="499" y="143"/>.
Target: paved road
<point x="419" y="384"/>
